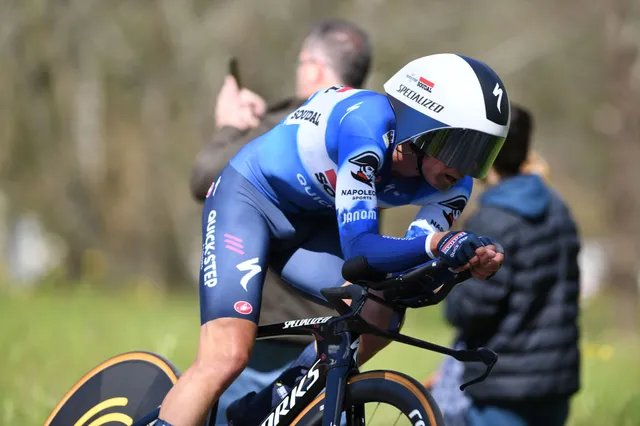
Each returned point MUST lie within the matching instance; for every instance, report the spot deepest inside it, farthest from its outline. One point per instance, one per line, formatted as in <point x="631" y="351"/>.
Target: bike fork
<point x="335" y="398"/>
<point x="344" y="363"/>
<point x="355" y="415"/>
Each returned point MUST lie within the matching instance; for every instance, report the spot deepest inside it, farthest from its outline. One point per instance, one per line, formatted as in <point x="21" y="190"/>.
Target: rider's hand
<point x="463" y="250"/>
<point x="488" y="259"/>
<point x="239" y="108"/>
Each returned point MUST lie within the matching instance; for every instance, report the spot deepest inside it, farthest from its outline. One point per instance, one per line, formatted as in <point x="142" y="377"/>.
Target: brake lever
<point x="484" y="355"/>
<point x="447" y="287"/>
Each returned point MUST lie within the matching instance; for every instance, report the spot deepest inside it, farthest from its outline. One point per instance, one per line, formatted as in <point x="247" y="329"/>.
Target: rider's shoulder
<point x="373" y="99"/>
<point x="367" y="106"/>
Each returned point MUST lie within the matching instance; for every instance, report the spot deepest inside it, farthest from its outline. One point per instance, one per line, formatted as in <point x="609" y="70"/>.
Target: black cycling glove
<point x="457" y="248"/>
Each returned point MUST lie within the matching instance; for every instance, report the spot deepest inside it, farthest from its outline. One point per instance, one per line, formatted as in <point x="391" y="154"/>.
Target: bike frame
<point x="335" y="363"/>
<point x="338" y="341"/>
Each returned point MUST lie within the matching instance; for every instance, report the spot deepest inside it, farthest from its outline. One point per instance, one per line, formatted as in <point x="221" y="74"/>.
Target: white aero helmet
<point x="453" y="108"/>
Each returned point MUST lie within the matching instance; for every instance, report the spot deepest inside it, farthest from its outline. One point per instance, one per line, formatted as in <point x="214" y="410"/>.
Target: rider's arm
<point x="359" y="236"/>
<point x="439" y="210"/>
<point x="356" y="202"/>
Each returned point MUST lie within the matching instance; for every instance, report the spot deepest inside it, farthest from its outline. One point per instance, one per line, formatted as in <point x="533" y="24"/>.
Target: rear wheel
<point x="118" y="391"/>
<point x="373" y="389"/>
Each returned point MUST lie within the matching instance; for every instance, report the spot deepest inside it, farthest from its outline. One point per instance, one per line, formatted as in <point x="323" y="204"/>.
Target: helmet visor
<point x="470" y="152"/>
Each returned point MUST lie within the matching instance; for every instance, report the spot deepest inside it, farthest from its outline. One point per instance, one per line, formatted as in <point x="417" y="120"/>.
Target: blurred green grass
<point x="49" y="339"/>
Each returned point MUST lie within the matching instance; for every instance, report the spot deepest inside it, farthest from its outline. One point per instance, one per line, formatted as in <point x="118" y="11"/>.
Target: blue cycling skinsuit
<point x="315" y="181"/>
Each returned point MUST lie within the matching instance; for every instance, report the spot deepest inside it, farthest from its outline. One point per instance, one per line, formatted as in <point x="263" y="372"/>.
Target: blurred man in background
<point x="528" y="312"/>
<point x="335" y="52"/>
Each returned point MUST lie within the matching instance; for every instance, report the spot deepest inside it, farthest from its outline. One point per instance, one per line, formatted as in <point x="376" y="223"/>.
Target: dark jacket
<point x="279" y="302"/>
<point x="528" y="312"/>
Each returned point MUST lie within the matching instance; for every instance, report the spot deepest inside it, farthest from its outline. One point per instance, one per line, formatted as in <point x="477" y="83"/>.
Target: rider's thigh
<point x="316" y="263"/>
<point x="235" y="242"/>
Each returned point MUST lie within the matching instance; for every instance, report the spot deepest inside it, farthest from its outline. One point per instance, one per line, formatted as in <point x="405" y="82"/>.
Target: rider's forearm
<point x="392" y="254"/>
<point x="388" y="254"/>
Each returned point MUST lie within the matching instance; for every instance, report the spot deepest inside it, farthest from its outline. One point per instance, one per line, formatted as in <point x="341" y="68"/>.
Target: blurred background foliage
<point x="104" y="105"/>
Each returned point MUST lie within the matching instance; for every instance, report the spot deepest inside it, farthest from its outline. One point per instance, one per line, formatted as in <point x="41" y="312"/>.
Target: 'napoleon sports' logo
<point x="455" y="206"/>
<point x="368" y="163"/>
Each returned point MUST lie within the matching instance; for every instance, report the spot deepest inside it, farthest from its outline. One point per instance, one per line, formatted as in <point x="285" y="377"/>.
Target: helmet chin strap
<point x="419" y="157"/>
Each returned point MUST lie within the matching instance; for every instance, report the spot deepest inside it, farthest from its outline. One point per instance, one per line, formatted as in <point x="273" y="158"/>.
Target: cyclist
<point x="343" y="154"/>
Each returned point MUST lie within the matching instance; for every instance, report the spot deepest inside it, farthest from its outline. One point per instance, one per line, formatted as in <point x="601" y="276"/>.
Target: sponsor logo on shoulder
<point x="213" y="188"/>
<point x="338" y="89"/>
<point x="368" y="163"/>
<point x="306" y="115"/>
<point x="453" y="208"/>
<point x="350" y="109"/>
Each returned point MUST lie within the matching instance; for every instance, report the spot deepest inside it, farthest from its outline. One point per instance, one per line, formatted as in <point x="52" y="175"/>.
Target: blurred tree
<point x="624" y="151"/>
<point x="104" y="104"/>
